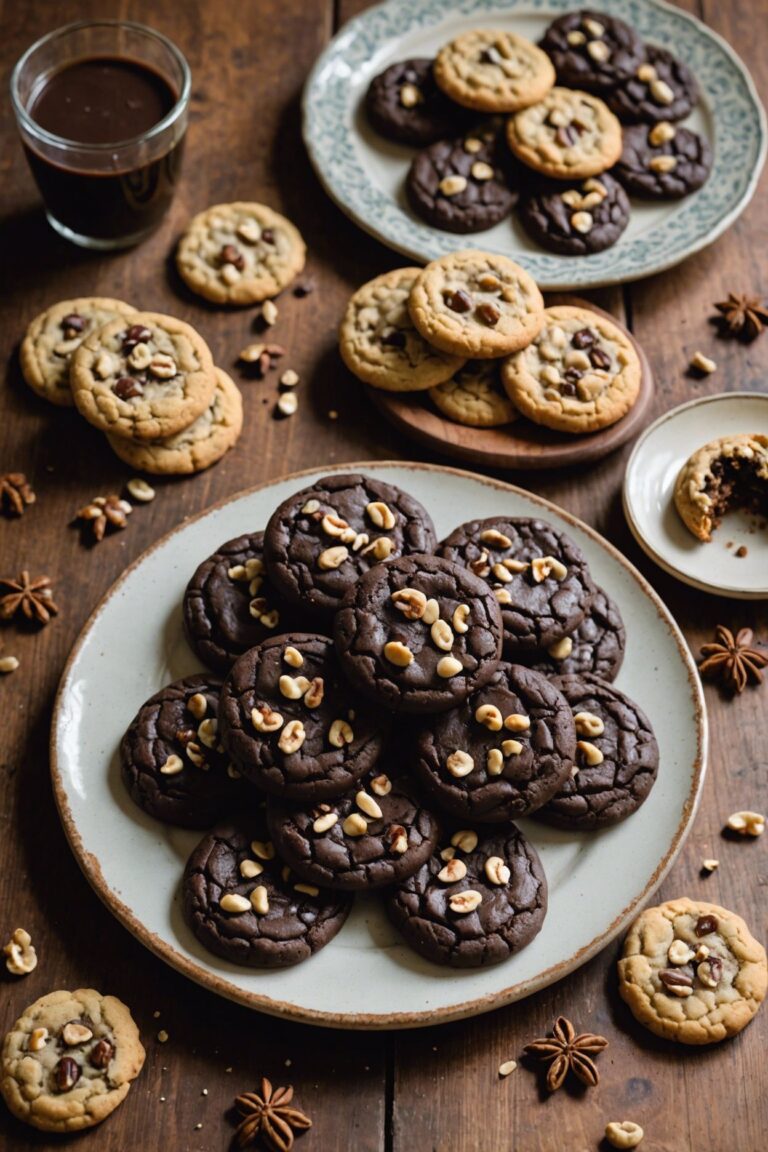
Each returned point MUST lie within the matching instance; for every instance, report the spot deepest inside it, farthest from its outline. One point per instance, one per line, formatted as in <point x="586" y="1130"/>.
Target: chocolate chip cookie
<point x="592" y="50"/>
<point x="69" y="1060"/>
<point x="661" y="88"/>
<point x="616" y="760"/>
<point x="596" y="646"/>
<point x="292" y="725"/>
<point x="321" y="540"/>
<point x="404" y="103"/>
<point x="493" y="71"/>
<point x="376" y="834"/>
<point x="171" y="757"/>
<point x="475" y="396"/>
<point x="230" y="604"/>
<point x="508" y="749"/>
<point x="729" y="472"/>
<point x="539" y="577"/>
<point x="578" y="219"/>
<point x="475" y="902"/>
<point x="419" y="634"/>
<point x="244" y="904"/>
<point x="663" y="162"/>
<point x="568" y="135"/>
<point x="464" y="184"/>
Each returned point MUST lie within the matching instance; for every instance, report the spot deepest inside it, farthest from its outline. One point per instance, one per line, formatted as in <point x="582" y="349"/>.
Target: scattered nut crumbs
<point x="269" y="1114"/>
<point x="732" y="659"/>
<point x="289" y="378"/>
<point x="28" y="597"/>
<point x="103" y="512"/>
<point x="742" y="315"/>
<point x="746" y="823"/>
<point x="288" y="404"/>
<point x="162" y="1036"/>
<point x="269" y="312"/>
<point x="8" y="664"/>
<point x="507" y="1067"/>
<point x="741" y="551"/>
<point x="703" y="364"/>
<point x="264" y="356"/>
<point x="21" y="957"/>
<point x="140" y="490"/>
<point x="15" y="494"/>
<point x="623" y="1134"/>
<point x="333" y="414"/>
<point x="709" y="865"/>
<point x="565" y="1051"/>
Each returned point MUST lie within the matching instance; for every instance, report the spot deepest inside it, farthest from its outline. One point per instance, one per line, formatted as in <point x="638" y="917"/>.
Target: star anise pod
<point x="102" y="511"/>
<point x="565" y="1051"/>
<point x="732" y="659"/>
<point x="270" y="1116"/>
<point x="28" y="597"/>
<point x="15" y="493"/>
<point x="743" y="315"/>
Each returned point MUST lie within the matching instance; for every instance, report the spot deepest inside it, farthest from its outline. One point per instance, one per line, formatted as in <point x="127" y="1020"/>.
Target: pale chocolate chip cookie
<point x="475" y="396"/>
<point x="731" y="472"/>
<point x="567" y="135"/>
<point x="493" y="71"/>
<point x="240" y="253"/>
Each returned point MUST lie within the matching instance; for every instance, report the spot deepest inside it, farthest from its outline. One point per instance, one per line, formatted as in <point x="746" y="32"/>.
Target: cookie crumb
<point x="709" y="865"/>
<point x="204" y="1092"/>
<point x="742" y="551"/>
<point x="156" y="1014"/>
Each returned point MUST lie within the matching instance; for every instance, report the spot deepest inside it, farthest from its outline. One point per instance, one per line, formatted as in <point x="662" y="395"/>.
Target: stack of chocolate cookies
<point x="389" y="705"/>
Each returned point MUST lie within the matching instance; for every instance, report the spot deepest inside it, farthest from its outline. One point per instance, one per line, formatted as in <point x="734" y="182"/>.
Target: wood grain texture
<point x="435" y="1089"/>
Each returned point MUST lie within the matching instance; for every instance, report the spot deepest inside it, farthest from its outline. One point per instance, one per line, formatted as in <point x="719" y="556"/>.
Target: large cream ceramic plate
<point x="649" y="485"/>
<point x="365" y="174"/>
<point x="365" y="978"/>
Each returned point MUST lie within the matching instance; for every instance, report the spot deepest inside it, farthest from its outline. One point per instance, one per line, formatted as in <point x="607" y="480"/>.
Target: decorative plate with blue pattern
<point x="365" y="174"/>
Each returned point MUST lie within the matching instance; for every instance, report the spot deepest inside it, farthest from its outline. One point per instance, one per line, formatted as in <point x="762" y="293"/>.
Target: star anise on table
<point x="565" y="1051"/>
<point x="742" y="315"/>
<point x="270" y="1116"/>
<point x="15" y="493"/>
<point x="27" y="597"/>
<point x="103" y="511"/>
<point x="732" y="659"/>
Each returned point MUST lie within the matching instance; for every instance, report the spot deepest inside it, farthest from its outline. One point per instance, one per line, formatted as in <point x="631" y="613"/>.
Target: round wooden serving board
<point x="521" y="444"/>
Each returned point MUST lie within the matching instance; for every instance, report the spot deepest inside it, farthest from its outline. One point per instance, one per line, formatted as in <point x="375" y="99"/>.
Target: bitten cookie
<point x="616" y="759"/>
<point x="195" y="448"/>
<point x="596" y="646"/>
<point x="567" y="135"/>
<point x="404" y="103"/>
<point x="592" y="50"/>
<point x="475" y="396"/>
<point x="69" y="1060"/>
<point x="418" y="634"/>
<point x="493" y="71"/>
<point x="581" y="373"/>
<point x="320" y="541"/>
<point x="730" y="472"/>
<point x="475" y="902"/>
<point x="244" y="905"/>
<point x="147" y="379"/>
<point x="501" y="754"/>
<point x="240" y="253"/>
<point x="577" y="220"/>
<point x="292" y="725"/>
<point x="376" y="834"/>
<point x="692" y="972"/>
<point x="465" y="184"/>
<point x="661" y="88"/>
<point x="663" y="162"/>
<point x="52" y="337"/>
<point x="476" y="304"/>
<point x="380" y="344"/>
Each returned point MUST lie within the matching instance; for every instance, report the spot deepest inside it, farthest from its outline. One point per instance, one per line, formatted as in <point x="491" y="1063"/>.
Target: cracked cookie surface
<point x="493" y="71"/>
<point x="731" y="471"/>
<point x="596" y="646"/>
<point x="576" y="220"/>
<point x="475" y="396"/>
<point x="663" y="161"/>
<point x="592" y="50"/>
<point x="466" y="184"/>
<point x="662" y="88"/>
<point x="568" y="134"/>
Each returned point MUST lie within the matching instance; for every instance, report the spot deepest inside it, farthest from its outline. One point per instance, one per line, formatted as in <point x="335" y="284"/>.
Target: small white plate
<point x="365" y="174"/>
<point x="649" y="506"/>
<point x="366" y="977"/>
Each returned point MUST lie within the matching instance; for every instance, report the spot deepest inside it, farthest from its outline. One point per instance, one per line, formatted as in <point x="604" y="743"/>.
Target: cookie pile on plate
<point x="471" y="328"/>
<point x="380" y="708"/>
<point x="562" y="156"/>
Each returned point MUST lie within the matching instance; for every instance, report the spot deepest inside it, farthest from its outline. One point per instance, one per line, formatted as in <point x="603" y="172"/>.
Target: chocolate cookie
<point x="579" y="219"/>
<point x="376" y="834"/>
<point x="321" y="540"/>
<point x="597" y="645"/>
<point x="404" y="103"/>
<point x="230" y="604"/>
<point x="663" y="162"/>
<point x="419" y="634"/>
<point x="172" y="761"/>
<point x="661" y="88"/>
<point x="539" y="576"/>
<point x="475" y="902"/>
<point x="464" y="184"/>
<point x="592" y="50"/>
<point x="292" y="725"/>
<point x="617" y="757"/>
<point x="243" y="904"/>
<point x="503" y="753"/>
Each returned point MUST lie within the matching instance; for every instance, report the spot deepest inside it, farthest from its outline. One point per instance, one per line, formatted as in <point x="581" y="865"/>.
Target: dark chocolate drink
<point x="96" y="102"/>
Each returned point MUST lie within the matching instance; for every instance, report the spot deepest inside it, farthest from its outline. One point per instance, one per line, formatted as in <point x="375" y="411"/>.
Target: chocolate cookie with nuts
<point x="538" y="575"/>
<point x="493" y="70"/>
<point x="504" y="752"/>
<point x="578" y="219"/>
<point x="292" y="725"/>
<point x="243" y="904"/>
<point x="592" y="50"/>
<point x="663" y="161"/>
<point x="476" y="901"/>
<point x="463" y="185"/>
<point x="616" y="760"/>
<point x="419" y="634"/>
<point x="69" y="1060"/>
<point x="377" y="833"/>
<point x="661" y="88"/>
<point x="172" y="760"/>
<point x="404" y="103"/>
<point x="320" y="541"/>
<point x="596" y="646"/>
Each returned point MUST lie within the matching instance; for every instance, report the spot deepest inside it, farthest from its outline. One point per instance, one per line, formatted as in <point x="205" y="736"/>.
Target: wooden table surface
<point x="431" y="1089"/>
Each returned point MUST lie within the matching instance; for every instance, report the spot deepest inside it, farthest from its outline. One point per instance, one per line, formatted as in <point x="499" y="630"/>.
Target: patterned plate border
<point x="738" y="117"/>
